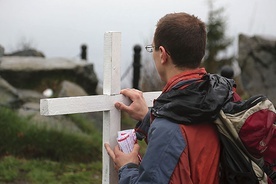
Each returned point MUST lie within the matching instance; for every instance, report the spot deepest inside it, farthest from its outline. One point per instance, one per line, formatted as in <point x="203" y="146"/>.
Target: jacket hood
<point x="199" y="102"/>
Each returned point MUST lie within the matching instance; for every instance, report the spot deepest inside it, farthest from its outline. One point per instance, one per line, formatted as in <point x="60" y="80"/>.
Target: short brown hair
<point x="184" y="38"/>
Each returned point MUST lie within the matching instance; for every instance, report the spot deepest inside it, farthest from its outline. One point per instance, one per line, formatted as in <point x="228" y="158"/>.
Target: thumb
<point x="109" y="151"/>
<point x="136" y="148"/>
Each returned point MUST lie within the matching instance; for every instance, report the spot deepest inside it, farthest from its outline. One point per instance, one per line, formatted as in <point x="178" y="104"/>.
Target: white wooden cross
<point x="105" y="102"/>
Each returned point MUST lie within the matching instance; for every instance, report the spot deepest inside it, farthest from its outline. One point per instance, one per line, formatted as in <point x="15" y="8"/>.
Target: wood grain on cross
<point x="105" y="102"/>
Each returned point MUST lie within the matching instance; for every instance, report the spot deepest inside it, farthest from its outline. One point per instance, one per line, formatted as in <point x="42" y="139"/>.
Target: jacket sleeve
<point x="165" y="145"/>
<point x="142" y="128"/>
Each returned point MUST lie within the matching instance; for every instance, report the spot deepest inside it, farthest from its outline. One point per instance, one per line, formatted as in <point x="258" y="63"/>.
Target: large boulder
<point x="39" y="73"/>
<point x="257" y="59"/>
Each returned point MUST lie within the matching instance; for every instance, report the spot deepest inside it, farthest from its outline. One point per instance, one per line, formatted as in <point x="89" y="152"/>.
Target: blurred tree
<point x="26" y="44"/>
<point x="217" y="42"/>
<point x="26" y="47"/>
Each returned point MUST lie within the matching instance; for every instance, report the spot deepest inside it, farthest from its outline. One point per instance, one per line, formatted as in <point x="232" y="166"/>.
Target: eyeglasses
<point x="149" y="48"/>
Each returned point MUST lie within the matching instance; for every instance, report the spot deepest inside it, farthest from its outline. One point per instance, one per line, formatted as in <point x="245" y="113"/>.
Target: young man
<point x="183" y="146"/>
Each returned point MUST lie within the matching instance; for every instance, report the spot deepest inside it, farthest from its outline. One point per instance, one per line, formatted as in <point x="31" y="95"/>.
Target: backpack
<point x="247" y="133"/>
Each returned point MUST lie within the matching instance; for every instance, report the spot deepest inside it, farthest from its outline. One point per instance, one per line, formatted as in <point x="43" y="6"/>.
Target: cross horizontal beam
<point x="84" y="104"/>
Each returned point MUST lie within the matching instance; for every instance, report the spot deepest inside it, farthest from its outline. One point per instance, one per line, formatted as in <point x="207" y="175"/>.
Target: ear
<point x="163" y="55"/>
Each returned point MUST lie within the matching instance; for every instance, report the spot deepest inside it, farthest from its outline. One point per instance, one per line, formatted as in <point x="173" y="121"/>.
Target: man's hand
<point x="138" y="108"/>
<point x="120" y="158"/>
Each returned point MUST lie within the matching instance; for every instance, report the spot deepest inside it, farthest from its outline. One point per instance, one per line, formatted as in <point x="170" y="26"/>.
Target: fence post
<point x="136" y="66"/>
<point x="84" y="52"/>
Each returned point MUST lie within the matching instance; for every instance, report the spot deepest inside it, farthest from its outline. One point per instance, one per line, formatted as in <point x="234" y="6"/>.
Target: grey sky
<point x="59" y="27"/>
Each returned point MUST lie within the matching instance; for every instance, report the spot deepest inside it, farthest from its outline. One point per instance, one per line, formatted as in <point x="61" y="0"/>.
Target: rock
<point x="68" y="89"/>
<point x="9" y="96"/>
<point x="58" y="123"/>
<point x="257" y="59"/>
<point x="26" y="102"/>
<point x="29" y="95"/>
<point x="39" y="73"/>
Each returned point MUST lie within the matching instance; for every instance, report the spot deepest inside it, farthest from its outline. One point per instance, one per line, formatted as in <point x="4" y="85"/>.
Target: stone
<point x="68" y="89"/>
<point x="9" y="96"/>
<point x="39" y="74"/>
<point x="29" y="95"/>
<point x="257" y="59"/>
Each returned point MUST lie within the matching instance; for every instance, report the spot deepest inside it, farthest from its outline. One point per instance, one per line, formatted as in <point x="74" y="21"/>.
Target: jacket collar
<point x="186" y="75"/>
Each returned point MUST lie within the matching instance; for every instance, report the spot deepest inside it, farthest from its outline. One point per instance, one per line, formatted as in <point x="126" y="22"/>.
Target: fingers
<point x="137" y="108"/>
<point x="136" y="148"/>
<point x="117" y="150"/>
<point x="109" y="151"/>
<point x="121" y="106"/>
<point x="132" y="94"/>
<point x="112" y="154"/>
<point x="120" y="158"/>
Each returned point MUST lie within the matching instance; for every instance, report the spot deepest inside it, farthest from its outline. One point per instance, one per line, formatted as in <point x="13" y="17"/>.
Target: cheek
<point x="159" y="69"/>
<point x="155" y="56"/>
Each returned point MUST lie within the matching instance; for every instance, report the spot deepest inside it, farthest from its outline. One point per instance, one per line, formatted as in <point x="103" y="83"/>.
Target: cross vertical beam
<point x="111" y="86"/>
